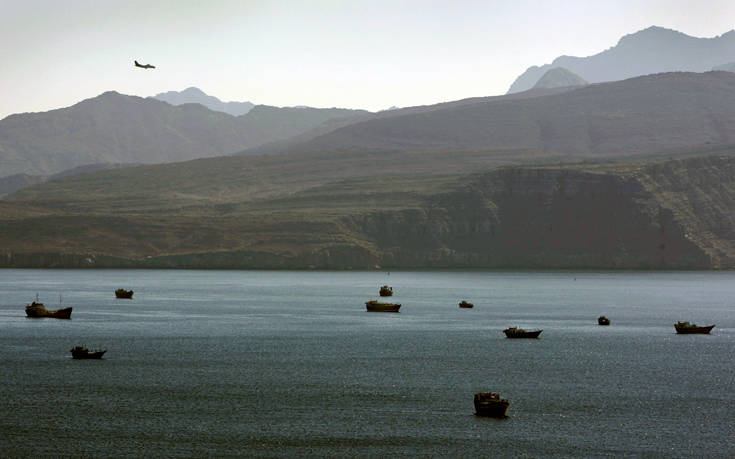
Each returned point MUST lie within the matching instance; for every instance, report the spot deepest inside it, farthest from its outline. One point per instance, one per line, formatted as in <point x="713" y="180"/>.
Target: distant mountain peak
<point x="109" y="94"/>
<point x="194" y="90"/>
<point x="652" y="50"/>
<point x="559" y="77"/>
<point x="658" y="30"/>
<point x="654" y="33"/>
<point x="194" y="95"/>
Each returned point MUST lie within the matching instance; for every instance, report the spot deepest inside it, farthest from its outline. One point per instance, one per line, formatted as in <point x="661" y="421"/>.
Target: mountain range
<point x="631" y="174"/>
<point x="635" y="116"/>
<point x="116" y="128"/>
<point x="652" y="50"/>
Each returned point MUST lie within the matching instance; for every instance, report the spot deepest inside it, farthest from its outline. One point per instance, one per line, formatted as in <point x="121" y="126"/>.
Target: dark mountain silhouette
<point x="559" y="77"/>
<point x="115" y="128"/>
<point x="197" y="96"/>
<point x="635" y="116"/>
<point x="652" y="50"/>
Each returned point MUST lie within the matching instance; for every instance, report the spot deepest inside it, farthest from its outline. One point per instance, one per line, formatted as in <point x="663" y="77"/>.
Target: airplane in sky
<point x="146" y="66"/>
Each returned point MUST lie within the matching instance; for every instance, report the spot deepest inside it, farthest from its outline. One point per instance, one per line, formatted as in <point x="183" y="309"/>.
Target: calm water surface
<point x="263" y="363"/>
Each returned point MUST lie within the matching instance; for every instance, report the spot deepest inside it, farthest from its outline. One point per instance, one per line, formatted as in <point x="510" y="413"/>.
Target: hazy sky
<point x="351" y="53"/>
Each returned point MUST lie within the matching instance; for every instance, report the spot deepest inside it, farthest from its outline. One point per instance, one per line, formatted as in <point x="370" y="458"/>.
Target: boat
<point x="489" y="404"/>
<point x="465" y="304"/>
<point x="122" y="293"/>
<point x="81" y="352"/>
<point x="386" y="291"/>
<point x="685" y="328"/>
<point x="38" y="310"/>
<point x="377" y="306"/>
<point x="515" y="332"/>
<point x="602" y="320"/>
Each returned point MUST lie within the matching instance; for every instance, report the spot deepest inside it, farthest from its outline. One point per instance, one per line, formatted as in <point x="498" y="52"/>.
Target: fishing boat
<point x="685" y="328"/>
<point x="38" y="310"/>
<point x="465" y="304"/>
<point x="515" y="332"/>
<point x="122" y="293"/>
<point x="377" y="306"/>
<point x="489" y="404"/>
<point x="81" y="352"/>
<point x="386" y="291"/>
<point x="602" y="320"/>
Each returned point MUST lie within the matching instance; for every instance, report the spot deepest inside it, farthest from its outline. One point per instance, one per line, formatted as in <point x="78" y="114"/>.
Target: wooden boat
<point x="685" y="328"/>
<point x="386" y="291"/>
<point x="377" y="306"/>
<point x="602" y="320"/>
<point x="515" y="332"/>
<point x="122" y="293"/>
<point x="38" y="310"/>
<point x="490" y="404"/>
<point x="81" y="352"/>
<point x="464" y="304"/>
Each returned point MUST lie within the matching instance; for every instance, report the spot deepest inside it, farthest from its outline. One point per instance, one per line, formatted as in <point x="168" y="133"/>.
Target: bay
<point x="289" y="363"/>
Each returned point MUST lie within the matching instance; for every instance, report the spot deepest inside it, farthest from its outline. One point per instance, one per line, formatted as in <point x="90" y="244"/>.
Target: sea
<point x="290" y="364"/>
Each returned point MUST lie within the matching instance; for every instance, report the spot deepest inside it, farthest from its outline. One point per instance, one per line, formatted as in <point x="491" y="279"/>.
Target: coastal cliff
<point x="674" y="214"/>
<point x="537" y="218"/>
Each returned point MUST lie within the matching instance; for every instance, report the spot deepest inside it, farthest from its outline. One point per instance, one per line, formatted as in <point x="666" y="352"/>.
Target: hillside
<point x="652" y="50"/>
<point x="197" y="96"/>
<point x="115" y="128"/>
<point x="298" y="142"/>
<point x="636" y="116"/>
<point x="671" y="214"/>
<point x="12" y="183"/>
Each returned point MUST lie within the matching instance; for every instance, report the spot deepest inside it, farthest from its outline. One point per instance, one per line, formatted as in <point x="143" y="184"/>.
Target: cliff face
<point x="700" y="193"/>
<point x="536" y="218"/>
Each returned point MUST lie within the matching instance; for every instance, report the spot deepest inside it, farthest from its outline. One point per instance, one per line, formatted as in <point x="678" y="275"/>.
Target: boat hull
<point x="377" y="306"/>
<point x="490" y="405"/>
<point x="603" y="321"/>
<point x="514" y="334"/>
<point x="466" y="305"/>
<point x="87" y="355"/>
<point x="125" y="294"/>
<point x="695" y="330"/>
<point x="41" y="313"/>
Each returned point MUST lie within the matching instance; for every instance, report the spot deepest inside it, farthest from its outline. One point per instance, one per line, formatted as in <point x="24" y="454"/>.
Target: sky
<point x="370" y="54"/>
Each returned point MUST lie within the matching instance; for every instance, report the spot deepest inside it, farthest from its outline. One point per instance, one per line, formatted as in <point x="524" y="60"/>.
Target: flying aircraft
<point x="146" y="66"/>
